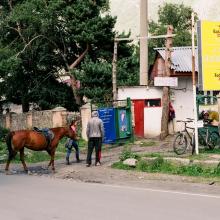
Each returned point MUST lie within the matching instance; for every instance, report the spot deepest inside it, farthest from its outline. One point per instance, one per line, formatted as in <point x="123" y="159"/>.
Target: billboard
<point x="209" y="55"/>
<point x="108" y="117"/>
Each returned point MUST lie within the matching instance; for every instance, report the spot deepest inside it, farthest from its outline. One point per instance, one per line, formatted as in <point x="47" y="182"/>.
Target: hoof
<point x="7" y="172"/>
<point x="53" y="171"/>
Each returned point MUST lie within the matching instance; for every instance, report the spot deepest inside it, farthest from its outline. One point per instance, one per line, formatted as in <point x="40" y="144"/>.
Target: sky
<point x="127" y="11"/>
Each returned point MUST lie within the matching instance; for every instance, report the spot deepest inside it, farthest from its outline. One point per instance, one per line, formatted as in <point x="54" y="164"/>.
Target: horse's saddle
<point x="48" y="134"/>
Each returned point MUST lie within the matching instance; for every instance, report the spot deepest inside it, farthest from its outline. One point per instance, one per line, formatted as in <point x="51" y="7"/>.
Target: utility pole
<point x="194" y="86"/>
<point x="114" y="71"/>
<point x="143" y="42"/>
<point x="166" y="98"/>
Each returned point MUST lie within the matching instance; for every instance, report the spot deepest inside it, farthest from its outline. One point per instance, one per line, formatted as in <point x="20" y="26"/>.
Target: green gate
<point x="117" y="120"/>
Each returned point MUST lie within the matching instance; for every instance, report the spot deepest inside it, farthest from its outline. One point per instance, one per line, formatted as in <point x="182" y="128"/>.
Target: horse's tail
<point x="9" y="145"/>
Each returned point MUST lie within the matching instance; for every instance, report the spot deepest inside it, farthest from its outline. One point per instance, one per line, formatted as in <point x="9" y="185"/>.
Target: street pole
<point x="114" y="72"/>
<point x="143" y="42"/>
<point x="194" y="86"/>
<point x="166" y="96"/>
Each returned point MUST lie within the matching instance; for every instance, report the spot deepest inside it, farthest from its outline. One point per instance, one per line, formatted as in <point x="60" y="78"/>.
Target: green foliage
<point x="95" y="78"/>
<point x="162" y="166"/>
<point x="177" y="15"/>
<point x="95" y="75"/>
<point x="128" y="154"/>
<point x="120" y="165"/>
<point x="39" y="38"/>
<point x="3" y="133"/>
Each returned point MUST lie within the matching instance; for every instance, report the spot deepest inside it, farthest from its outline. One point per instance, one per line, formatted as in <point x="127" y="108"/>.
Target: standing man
<point x="95" y="134"/>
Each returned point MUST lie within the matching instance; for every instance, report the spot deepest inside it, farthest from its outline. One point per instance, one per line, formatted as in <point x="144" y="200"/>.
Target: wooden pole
<point x="165" y="97"/>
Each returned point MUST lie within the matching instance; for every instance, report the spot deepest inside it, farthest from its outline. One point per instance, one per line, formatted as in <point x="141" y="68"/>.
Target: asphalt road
<point x="32" y="198"/>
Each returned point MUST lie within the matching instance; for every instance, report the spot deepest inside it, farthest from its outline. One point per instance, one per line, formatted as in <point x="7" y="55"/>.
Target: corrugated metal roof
<point x="181" y="58"/>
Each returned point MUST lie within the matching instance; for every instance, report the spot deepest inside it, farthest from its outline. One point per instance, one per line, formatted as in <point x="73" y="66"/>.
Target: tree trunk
<point x="25" y="105"/>
<point x="73" y="79"/>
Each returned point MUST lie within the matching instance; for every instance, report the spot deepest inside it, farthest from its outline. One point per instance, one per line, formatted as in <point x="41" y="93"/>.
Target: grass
<point x="162" y="166"/>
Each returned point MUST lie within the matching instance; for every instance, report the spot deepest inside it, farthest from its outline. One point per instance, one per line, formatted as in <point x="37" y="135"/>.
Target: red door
<point x="139" y="117"/>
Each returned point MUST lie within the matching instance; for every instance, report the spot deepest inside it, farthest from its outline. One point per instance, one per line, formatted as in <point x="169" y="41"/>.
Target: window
<point x="152" y="102"/>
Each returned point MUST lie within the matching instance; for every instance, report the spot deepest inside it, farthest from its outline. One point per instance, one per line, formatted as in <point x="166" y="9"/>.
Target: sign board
<point x="108" y="117"/>
<point x="200" y="124"/>
<point x="166" y="81"/>
<point x="209" y="55"/>
<point x="122" y="123"/>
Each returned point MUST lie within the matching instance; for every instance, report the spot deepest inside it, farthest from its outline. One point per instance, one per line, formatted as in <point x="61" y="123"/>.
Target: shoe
<point x="67" y="161"/>
<point x="88" y="165"/>
<point x="98" y="164"/>
<point x="78" y="161"/>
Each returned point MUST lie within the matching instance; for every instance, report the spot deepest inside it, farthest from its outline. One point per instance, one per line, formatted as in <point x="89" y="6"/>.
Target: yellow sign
<point x="209" y="51"/>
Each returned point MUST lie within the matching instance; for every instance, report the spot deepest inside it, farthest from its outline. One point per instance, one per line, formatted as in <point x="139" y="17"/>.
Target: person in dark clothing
<point x="95" y="134"/>
<point x="69" y="146"/>
<point x="70" y="143"/>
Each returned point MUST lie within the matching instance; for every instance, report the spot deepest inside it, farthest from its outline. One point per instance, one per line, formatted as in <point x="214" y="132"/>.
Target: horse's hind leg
<point x="22" y="160"/>
<point x="10" y="157"/>
<point x="7" y="165"/>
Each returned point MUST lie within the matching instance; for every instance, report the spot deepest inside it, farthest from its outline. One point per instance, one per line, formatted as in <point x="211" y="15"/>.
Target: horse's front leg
<point x="52" y="156"/>
<point x="52" y="161"/>
<point x="49" y="152"/>
<point x="22" y="160"/>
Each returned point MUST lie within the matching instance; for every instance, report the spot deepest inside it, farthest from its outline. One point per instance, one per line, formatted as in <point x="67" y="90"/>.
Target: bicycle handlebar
<point x="184" y="121"/>
<point x="191" y="119"/>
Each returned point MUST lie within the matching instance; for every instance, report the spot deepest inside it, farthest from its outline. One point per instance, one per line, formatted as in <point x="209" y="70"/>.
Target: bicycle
<point x="180" y="142"/>
<point x="206" y="137"/>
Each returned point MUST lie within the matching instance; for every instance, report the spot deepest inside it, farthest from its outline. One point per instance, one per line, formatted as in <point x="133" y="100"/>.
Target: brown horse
<point x="18" y="140"/>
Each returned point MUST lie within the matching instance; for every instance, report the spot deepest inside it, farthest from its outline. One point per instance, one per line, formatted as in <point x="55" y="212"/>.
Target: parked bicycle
<point x="209" y="136"/>
<point x="206" y="136"/>
<point x="182" y="138"/>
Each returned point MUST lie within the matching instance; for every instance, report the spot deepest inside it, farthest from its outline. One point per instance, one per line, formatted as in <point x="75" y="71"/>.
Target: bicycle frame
<point x="186" y="133"/>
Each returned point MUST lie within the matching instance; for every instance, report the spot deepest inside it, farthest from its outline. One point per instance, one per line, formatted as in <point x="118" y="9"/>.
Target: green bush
<point x="3" y="133"/>
<point x="128" y="154"/>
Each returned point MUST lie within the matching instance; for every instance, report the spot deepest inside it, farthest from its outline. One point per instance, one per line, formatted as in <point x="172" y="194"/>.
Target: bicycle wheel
<point x="180" y="144"/>
<point x="213" y="140"/>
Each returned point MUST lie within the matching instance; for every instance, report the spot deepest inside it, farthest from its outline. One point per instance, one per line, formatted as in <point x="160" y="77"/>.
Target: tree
<point x="95" y="75"/>
<point x="177" y="15"/>
<point x="40" y="38"/>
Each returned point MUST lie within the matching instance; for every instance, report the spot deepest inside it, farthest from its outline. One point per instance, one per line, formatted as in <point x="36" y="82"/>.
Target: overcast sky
<point x="127" y="11"/>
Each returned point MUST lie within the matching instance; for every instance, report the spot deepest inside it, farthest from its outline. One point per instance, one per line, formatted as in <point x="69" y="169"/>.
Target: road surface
<point x="26" y="197"/>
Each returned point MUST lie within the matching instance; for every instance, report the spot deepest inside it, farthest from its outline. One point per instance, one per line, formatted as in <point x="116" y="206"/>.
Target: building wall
<point x="182" y="100"/>
<point x="40" y="119"/>
<point x="152" y="115"/>
<point x="152" y="121"/>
